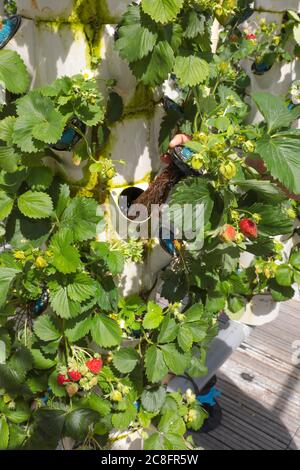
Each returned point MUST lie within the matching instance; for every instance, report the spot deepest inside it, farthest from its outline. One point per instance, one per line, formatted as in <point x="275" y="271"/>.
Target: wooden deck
<point x="261" y="390"/>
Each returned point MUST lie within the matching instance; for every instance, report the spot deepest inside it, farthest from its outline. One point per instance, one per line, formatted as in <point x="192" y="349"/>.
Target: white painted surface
<point x="260" y="311"/>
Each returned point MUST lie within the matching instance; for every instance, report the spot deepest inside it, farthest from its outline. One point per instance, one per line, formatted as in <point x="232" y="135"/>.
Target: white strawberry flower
<point x="87" y="74"/>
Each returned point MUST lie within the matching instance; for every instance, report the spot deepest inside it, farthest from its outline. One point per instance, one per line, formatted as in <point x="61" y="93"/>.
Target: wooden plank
<point x="261" y="390"/>
<point x="295" y="442"/>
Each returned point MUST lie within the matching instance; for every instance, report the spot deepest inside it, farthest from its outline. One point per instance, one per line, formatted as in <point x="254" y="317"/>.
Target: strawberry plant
<point x="77" y="359"/>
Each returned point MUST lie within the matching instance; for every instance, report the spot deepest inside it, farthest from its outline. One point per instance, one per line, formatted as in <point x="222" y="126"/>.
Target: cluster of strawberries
<point x="247" y="227"/>
<point x="85" y="377"/>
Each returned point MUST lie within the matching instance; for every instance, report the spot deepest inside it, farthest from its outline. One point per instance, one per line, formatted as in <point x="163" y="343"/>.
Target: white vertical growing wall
<point x="54" y="40"/>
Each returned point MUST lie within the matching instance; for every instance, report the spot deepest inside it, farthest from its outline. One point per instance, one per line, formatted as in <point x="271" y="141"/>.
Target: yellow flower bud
<point x="20" y="255"/>
<point x="116" y="396"/>
<point x="197" y="163"/>
<point x="291" y="213"/>
<point x="228" y="170"/>
<point x="257" y="218"/>
<point x="235" y="215"/>
<point x="239" y="238"/>
<point x="40" y="262"/>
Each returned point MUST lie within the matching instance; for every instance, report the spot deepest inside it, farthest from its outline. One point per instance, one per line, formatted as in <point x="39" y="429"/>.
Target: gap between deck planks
<point x="261" y="390"/>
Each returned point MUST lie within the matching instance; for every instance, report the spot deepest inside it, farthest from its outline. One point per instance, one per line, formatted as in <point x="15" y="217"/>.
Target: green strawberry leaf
<point x="45" y="329"/>
<point x="191" y="70"/>
<point x="125" y="360"/>
<point x="153" y="399"/>
<point x="162" y="11"/>
<point x="13" y="72"/>
<point x="35" y="205"/>
<point x="105" y="331"/>
<point x="37" y="121"/>
<point x="156" y="368"/>
<point x="154" y="316"/>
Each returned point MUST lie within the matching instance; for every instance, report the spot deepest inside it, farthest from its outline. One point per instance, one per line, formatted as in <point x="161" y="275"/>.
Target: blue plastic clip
<point x="209" y="399"/>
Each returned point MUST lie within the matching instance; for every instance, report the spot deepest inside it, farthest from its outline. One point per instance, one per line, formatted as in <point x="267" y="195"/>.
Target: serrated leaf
<point x="17" y="436"/>
<point x="125" y="360"/>
<point x="171" y="422"/>
<point x="281" y="293"/>
<point x="62" y="304"/>
<point x="4" y="433"/>
<point x="191" y="70"/>
<point x="41" y="177"/>
<point x="20" y="414"/>
<point x="197" y="192"/>
<point x="122" y="421"/>
<point x="115" y="262"/>
<point x="195" y="24"/>
<point x="105" y="331"/>
<point x="281" y="156"/>
<point x="11" y="380"/>
<point x="66" y="258"/>
<point x="274" y="110"/>
<point x="272" y="223"/>
<point x="80" y="218"/>
<point x="78" y="329"/>
<point x="45" y="329"/>
<point x="97" y="403"/>
<point x="77" y="422"/>
<point x="37" y="121"/>
<point x="162" y="11"/>
<point x="185" y="338"/>
<point x="135" y="42"/>
<point x="41" y="362"/>
<point x="9" y="159"/>
<point x="21" y="360"/>
<point x="82" y="288"/>
<point x="153" y="317"/>
<point x="7" y="275"/>
<point x="63" y="199"/>
<point x="295" y="260"/>
<point x="285" y="275"/>
<point x="155" y="68"/>
<point x="156" y="368"/>
<point x="175" y="361"/>
<point x="35" y="205"/>
<point x="153" y="399"/>
<point x="13" y="72"/>
<point x="194" y="313"/>
<point x="168" y="330"/>
<point x="47" y="429"/>
<point x="6" y="205"/>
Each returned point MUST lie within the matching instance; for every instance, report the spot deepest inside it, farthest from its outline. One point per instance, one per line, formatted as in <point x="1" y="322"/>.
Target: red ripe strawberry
<point x="249" y="228"/>
<point x="95" y="365"/>
<point x="62" y="379"/>
<point x="74" y="375"/>
<point x="228" y="233"/>
<point x="251" y="37"/>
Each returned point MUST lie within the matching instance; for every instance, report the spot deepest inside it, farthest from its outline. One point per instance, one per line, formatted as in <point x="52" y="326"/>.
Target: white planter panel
<point x="45" y="9"/>
<point x="24" y="43"/>
<point x="132" y="141"/>
<point x="277" y="5"/>
<point x="260" y="311"/>
<point x="63" y="9"/>
<point x="49" y="52"/>
<point x="112" y="66"/>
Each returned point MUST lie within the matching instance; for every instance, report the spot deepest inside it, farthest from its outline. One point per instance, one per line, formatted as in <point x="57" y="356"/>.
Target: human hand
<point x="179" y="139"/>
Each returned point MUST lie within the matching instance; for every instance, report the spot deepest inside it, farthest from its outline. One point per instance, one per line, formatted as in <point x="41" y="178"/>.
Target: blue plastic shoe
<point x="261" y="68"/>
<point x="9" y="28"/>
<point x="70" y="137"/>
